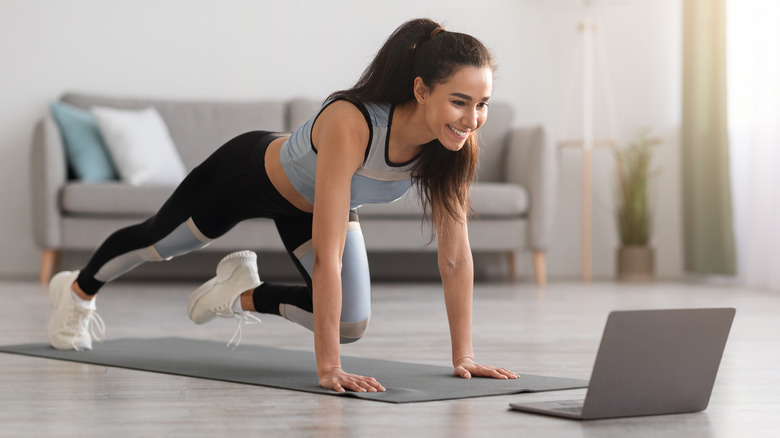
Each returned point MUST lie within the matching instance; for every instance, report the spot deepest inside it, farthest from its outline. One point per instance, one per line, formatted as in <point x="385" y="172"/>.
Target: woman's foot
<point x="74" y="323"/>
<point x="221" y="296"/>
<point x="236" y="274"/>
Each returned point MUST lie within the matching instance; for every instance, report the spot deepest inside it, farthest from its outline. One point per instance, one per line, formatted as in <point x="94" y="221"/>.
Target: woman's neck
<point x="408" y="133"/>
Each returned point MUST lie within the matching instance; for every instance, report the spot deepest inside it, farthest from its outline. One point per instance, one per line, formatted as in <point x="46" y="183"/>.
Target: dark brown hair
<point x="422" y="48"/>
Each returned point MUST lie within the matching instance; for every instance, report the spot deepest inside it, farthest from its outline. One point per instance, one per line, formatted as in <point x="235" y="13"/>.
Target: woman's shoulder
<point x="346" y="110"/>
<point x="344" y="118"/>
<point x="342" y="112"/>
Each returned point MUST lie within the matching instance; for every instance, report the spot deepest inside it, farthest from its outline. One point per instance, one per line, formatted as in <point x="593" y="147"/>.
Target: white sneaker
<point x="236" y="273"/>
<point x="72" y="326"/>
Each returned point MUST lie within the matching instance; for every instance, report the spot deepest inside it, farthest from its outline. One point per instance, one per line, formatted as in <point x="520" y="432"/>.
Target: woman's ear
<point x="421" y="90"/>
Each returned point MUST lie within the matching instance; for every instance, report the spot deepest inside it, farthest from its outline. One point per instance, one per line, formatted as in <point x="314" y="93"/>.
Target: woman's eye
<point x="458" y="103"/>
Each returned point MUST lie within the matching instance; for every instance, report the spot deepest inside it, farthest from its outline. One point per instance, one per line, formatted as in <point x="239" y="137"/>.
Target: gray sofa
<point x="513" y="198"/>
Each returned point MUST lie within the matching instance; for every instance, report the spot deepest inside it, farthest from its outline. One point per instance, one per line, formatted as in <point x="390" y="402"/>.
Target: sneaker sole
<point x="225" y="269"/>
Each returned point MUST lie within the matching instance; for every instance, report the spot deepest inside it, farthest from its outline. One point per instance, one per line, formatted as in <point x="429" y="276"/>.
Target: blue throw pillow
<point x="84" y="145"/>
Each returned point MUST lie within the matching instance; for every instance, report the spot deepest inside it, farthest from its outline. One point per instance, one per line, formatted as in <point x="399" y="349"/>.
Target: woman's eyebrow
<point x="467" y="97"/>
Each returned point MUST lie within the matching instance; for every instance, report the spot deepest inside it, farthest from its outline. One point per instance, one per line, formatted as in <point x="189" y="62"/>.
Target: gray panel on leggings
<point x="355" y="283"/>
<point x="179" y="241"/>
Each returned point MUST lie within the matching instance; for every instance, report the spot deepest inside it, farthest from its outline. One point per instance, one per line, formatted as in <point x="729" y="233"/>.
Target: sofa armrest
<point x="530" y="162"/>
<point x="48" y="174"/>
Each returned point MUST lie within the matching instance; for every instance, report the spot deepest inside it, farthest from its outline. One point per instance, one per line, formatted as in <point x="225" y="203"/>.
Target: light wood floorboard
<point x="553" y="331"/>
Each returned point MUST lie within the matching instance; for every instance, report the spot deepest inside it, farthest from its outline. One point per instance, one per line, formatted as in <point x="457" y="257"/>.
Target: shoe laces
<point x="87" y="322"/>
<point x="240" y="317"/>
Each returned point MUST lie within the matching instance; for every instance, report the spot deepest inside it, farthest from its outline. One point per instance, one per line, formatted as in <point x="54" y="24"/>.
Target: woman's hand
<point x="467" y="368"/>
<point x="340" y="381"/>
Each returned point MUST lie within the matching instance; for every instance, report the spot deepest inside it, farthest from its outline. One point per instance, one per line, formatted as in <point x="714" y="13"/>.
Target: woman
<point x="410" y="119"/>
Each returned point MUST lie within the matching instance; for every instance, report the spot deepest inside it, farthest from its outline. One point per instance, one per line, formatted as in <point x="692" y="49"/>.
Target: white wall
<point x="248" y="49"/>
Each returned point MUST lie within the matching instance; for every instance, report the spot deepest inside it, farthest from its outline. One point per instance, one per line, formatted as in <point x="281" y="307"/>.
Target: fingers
<point x="461" y="371"/>
<point x="510" y="374"/>
<point x="363" y="384"/>
<point x="467" y="370"/>
<point x="502" y="373"/>
<point x="340" y="381"/>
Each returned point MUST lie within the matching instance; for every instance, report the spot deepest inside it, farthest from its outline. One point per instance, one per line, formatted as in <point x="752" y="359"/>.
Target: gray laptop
<point x="650" y="362"/>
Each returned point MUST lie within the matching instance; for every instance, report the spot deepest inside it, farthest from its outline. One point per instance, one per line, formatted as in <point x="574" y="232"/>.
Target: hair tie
<point x="437" y="31"/>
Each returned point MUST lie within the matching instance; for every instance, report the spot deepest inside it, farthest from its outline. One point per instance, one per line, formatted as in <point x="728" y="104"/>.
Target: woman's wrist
<point x="462" y="360"/>
<point x="323" y="371"/>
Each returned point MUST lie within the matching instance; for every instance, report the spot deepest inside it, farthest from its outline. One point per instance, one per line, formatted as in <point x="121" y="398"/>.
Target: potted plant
<point x="635" y="256"/>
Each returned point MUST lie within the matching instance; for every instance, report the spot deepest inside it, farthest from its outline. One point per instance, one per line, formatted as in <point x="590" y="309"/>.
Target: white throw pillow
<point x="140" y="145"/>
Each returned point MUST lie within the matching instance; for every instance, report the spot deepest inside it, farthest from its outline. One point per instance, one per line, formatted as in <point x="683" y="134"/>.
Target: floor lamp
<point x="593" y="65"/>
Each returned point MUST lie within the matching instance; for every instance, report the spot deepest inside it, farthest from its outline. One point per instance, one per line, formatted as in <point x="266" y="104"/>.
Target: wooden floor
<point x="553" y="331"/>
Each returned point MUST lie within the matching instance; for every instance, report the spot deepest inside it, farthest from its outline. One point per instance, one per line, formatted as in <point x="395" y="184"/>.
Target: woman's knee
<point x="348" y="331"/>
<point x="353" y="331"/>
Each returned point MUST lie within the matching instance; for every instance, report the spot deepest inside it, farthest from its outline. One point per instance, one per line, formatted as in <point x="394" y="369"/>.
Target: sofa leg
<point x="49" y="260"/>
<point x="540" y="266"/>
<point x="511" y="261"/>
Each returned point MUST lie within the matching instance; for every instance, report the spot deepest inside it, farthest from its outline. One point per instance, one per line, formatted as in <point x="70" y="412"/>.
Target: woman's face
<point x="455" y="108"/>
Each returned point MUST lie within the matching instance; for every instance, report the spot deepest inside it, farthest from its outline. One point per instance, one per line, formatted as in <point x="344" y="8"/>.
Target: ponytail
<point x="390" y="76"/>
<point x="423" y="48"/>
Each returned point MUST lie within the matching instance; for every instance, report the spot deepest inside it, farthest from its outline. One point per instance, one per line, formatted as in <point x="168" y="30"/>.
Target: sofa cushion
<point x="141" y="146"/>
<point x="113" y="199"/>
<point x="489" y="200"/>
<point x="492" y="200"/>
<point x="84" y="145"/>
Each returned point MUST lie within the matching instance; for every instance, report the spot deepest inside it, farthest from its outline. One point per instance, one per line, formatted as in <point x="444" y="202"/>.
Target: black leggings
<point x="228" y="187"/>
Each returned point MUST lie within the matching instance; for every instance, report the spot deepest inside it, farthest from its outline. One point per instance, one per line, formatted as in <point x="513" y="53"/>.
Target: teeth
<point x="457" y="131"/>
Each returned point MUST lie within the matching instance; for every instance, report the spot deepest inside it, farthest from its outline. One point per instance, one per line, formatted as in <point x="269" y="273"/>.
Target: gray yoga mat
<point x="291" y="369"/>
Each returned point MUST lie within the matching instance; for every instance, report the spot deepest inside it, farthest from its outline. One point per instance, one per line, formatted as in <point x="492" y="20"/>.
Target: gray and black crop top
<point x="377" y="181"/>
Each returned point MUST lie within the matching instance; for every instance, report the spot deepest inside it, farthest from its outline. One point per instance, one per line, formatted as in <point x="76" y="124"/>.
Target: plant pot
<point x="635" y="263"/>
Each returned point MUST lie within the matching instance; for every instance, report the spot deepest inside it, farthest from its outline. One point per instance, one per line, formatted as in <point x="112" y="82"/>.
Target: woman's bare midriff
<point x="273" y="167"/>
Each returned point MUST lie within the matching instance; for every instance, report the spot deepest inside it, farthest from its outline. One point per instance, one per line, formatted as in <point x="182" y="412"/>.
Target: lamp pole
<point x="593" y="54"/>
<point x="587" y="29"/>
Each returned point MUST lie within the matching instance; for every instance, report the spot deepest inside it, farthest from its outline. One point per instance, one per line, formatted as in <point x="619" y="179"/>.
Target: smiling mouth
<point x="457" y="131"/>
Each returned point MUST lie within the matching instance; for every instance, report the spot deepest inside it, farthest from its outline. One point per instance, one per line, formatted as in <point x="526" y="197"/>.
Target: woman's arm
<point x="340" y="136"/>
<point x="456" y="267"/>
